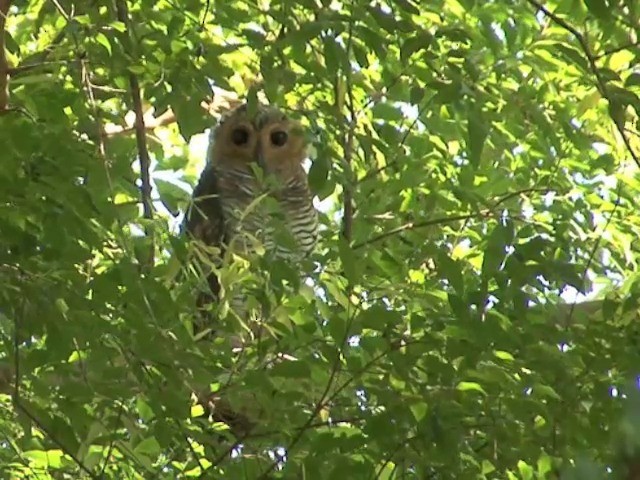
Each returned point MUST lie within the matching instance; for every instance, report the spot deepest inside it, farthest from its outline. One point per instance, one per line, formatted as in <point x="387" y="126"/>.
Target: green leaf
<point x="632" y="80"/>
<point x="44" y="459"/>
<point x="190" y="116"/>
<point x="102" y="39"/>
<point x="502" y="355"/>
<point x="526" y="471"/>
<point x="385" y="20"/>
<point x="419" y="410"/>
<point x="137" y="69"/>
<point x="414" y="44"/>
<point x="487" y="467"/>
<point x="348" y="259"/>
<point x="292" y="369"/>
<point x="599" y="8"/>
<point x="118" y="26"/>
<point x="459" y="306"/>
<point x="477" y="132"/>
<point x="144" y="410"/>
<point x="470" y="386"/>
<point x="495" y="251"/>
<point x="416" y="94"/>
<point x="334" y="54"/>
<point x="546" y="391"/>
<point x="544" y="465"/>
<point x="378" y="318"/>
<point x="318" y="175"/>
<point x="148" y="447"/>
<point x="408" y="6"/>
<point x="172" y="195"/>
<point x="572" y="54"/>
<point x="452" y="271"/>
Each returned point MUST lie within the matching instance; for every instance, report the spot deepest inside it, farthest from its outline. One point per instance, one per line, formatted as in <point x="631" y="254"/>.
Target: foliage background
<point x="475" y="163"/>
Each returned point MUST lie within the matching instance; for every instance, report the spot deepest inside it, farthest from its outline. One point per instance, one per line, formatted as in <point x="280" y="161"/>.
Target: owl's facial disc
<point x="267" y="139"/>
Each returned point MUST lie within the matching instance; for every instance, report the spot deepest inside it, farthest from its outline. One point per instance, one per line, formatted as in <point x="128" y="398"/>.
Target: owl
<point x="254" y="154"/>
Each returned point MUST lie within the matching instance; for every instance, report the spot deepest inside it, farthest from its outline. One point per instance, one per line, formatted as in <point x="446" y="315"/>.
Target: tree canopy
<point x="475" y="164"/>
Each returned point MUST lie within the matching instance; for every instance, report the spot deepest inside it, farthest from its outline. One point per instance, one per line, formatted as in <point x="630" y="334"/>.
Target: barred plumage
<point x="228" y="200"/>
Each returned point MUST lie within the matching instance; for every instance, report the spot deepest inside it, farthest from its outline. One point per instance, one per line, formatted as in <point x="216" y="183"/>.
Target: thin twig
<point x="204" y="14"/>
<point x="591" y="59"/>
<point x="454" y="218"/>
<point x="333" y="422"/>
<point x="393" y="161"/>
<point x="55" y="440"/>
<point x="15" y="72"/>
<point x="141" y="140"/>
<point x="112" y="442"/>
<point x="84" y="72"/>
<point x="617" y="49"/>
<point x="61" y="10"/>
<point x="150" y="124"/>
<point x="4" y="65"/>
<point x="508" y="196"/>
<point x="596" y="246"/>
<point x="417" y="225"/>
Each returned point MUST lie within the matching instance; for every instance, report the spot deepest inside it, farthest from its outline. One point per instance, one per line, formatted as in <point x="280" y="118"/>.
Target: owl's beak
<point x="261" y="161"/>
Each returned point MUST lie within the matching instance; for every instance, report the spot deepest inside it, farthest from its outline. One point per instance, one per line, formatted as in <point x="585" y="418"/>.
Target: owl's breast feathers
<point x="225" y="206"/>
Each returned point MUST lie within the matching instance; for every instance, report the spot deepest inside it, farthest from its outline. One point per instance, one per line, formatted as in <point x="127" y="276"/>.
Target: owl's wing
<point x="204" y="221"/>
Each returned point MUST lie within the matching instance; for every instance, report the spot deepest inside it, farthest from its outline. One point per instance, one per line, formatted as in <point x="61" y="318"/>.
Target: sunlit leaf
<point x="470" y="386"/>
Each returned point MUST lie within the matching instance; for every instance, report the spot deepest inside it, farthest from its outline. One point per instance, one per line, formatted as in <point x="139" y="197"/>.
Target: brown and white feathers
<point x="254" y="155"/>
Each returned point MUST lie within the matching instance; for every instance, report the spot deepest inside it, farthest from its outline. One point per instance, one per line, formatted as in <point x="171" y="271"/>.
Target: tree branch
<point x="617" y="49"/>
<point x="4" y="65"/>
<point x="591" y="59"/>
<point x="416" y="225"/>
<point x="455" y="218"/>
<point x="141" y="139"/>
<point x="222" y="102"/>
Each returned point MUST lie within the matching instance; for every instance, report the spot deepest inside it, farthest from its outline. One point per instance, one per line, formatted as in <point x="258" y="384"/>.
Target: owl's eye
<point x="240" y="136"/>
<point x="279" y="138"/>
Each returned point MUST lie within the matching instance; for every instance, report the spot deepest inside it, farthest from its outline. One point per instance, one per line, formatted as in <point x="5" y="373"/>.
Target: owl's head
<point x="264" y="137"/>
